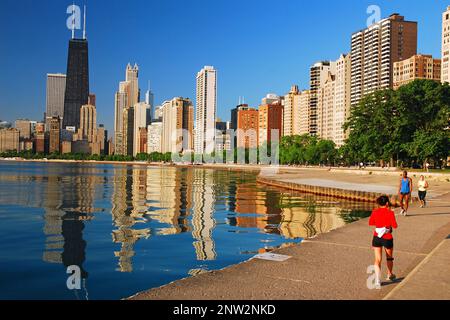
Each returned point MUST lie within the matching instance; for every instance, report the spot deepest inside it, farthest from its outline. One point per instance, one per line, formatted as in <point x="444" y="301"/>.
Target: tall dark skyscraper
<point x="77" y="82"/>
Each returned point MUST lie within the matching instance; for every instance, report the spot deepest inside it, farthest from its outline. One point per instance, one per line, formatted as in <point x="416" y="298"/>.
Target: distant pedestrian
<point x="383" y="219"/>
<point x="422" y="187"/>
<point x="427" y="166"/>
<point x="404" y="192"/>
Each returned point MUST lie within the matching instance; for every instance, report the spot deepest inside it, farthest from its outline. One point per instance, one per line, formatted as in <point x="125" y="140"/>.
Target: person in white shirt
<point x="422" y="187"/>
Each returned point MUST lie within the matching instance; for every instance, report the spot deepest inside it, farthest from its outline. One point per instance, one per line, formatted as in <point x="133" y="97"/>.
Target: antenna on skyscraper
<point x="84" y="24"/>
<point x="73" y="20"/>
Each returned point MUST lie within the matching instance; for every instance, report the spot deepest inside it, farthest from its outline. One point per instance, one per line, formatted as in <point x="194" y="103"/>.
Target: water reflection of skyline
<point x="147" y="202"/>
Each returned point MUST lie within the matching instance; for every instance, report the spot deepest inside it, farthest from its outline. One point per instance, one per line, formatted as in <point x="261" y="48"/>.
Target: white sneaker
<point x="402" y="212"/>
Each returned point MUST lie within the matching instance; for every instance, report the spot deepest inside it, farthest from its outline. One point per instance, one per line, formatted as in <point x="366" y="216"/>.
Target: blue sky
<point x="257" y="46"/>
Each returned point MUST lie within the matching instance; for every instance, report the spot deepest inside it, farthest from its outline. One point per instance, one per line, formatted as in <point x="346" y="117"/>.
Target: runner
<point x="404" y="192"/>
<point x="383" y="219"/>
<point x="422" y="186"/>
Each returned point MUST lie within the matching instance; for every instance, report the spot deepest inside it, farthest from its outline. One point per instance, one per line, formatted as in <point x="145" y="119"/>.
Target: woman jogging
<point x="422" y="186"/>
<point x="383" y="219"/>
<point x="404" y="192"/>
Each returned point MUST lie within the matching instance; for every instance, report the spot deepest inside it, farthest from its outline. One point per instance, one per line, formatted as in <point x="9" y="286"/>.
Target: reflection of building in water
<point x="202" y="214"/>
<point x="128" y="207"/>
<point x="307" y="221"/>
<point x="53" y="221"/>
<point x="290" y="216"/>
<point x="68" y="201"/>
<point x="169" y="197"/>
<point x="262" y="208"/>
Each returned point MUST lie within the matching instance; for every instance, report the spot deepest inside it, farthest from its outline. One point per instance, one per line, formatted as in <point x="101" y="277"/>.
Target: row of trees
<point x="307" y="150"/>
<point x="67" y="156"/>
<point x="403" y="127"/>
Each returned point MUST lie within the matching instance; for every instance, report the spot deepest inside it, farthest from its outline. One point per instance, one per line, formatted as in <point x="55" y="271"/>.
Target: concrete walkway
<point x="334" y="266"/>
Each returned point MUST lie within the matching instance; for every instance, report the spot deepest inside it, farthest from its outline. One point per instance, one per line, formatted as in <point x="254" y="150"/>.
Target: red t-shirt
<point x="383" y="218"/>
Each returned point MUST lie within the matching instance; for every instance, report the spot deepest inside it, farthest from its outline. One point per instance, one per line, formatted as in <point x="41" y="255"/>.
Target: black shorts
<point x="422" y="195"/>
<point x="380" y="243"/>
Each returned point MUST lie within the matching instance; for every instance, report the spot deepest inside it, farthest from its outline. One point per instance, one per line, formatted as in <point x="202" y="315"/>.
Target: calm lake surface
<point x="132" y="228"/>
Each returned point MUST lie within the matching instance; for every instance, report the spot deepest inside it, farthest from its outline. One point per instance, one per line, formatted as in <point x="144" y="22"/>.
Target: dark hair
<point x="383" y="201"/>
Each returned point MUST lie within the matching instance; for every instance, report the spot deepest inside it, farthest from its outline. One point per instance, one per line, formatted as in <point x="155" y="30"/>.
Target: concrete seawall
<point x="339" y="193"/>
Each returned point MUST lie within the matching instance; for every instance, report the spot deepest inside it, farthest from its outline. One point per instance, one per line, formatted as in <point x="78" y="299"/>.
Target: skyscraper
<point x="150" y="100"/>
<point x="445" y="75"/>
<point x="374" y="52"/>
<point x="55" y="135"/>
<point x="88" y="122"/>
<point x="126" y="98"/>
<point x="333" y="105"/>
<point x="177" y="125"/>
<point x="290" y="112"/>
<point x="318" y="75"/>
<point x="77" y="82"/>
<point x="206" y="108"/>
<point x="56" y="88"/>
<point x="342" y="98"/>
<point x="303" y="113"/>
<point x="132" y="87"/>
<point x="247" y="128"/>
<point x="270" y="123"/>
<point x="141" y="121"/>
<point x="128" y="131"/>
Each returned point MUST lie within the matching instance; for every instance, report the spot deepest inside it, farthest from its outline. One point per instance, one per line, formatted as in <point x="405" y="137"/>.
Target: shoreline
<point x="352" y="170"/>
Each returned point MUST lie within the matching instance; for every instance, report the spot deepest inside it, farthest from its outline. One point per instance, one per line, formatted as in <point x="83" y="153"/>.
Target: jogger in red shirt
<point x="383" y="219"/>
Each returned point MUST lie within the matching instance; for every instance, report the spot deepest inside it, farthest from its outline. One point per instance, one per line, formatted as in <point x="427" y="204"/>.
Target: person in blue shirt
<point x="404" y="192"/>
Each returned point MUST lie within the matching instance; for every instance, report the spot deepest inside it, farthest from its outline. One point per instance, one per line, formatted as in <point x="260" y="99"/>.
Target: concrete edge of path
<point x="419" y="277"/>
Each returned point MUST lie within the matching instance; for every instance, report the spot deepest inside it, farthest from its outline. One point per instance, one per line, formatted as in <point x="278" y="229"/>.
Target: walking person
<point x="422" y="187"/>
<point x="404" y="192"/>
<point x="383" y="219"/>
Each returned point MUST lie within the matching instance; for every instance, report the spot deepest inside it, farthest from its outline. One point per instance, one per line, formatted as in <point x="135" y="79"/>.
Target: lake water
<point x="132" y="228"/>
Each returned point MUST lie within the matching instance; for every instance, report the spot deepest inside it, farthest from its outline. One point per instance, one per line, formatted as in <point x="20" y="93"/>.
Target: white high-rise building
<point x="177" y="125"/>
<point x="154" y="132"/>
<point x="342" y="98"/>
<point x="333" y="106"/>
<point x="445" y="74"/>
<point x="205" y="113"/>
<point x="318" y="75"/>
<point x="290" y="112"/>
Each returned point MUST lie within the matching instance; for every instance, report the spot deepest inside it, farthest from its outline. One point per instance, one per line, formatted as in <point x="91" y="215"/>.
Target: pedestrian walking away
<point x="383" y="219"/>
<point x="405" y="190"/>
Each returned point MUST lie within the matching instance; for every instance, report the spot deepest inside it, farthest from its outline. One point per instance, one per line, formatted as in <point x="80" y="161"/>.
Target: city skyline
<point x="226" y="98"/>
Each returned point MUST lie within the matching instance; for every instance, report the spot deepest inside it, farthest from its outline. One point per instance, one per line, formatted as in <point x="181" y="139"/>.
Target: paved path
<point x="334" y="266"/>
